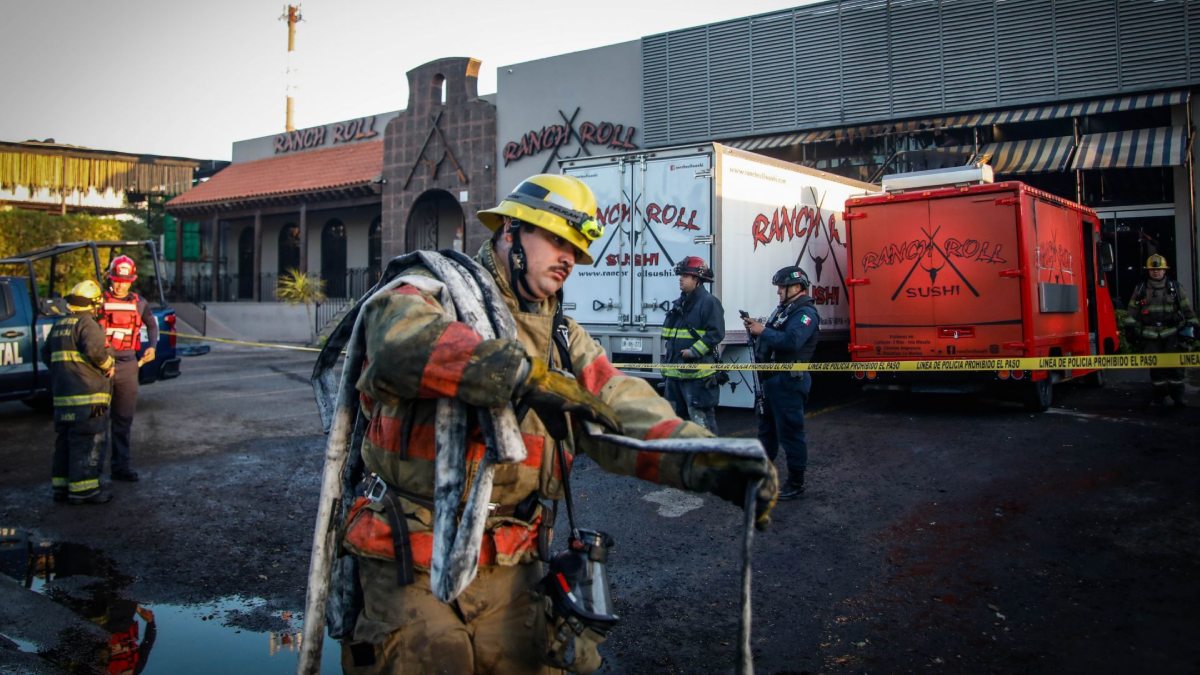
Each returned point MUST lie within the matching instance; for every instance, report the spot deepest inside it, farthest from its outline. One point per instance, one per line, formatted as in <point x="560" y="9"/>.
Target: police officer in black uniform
<point x="789" y="336"/>
<point x="692" y="333"/>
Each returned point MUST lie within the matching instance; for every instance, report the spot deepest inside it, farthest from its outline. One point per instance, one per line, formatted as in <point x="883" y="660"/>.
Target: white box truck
<point x="746" y="214"/>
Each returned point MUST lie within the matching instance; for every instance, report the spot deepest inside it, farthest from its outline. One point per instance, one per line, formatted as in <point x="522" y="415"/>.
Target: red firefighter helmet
<point x="695" y="266"/>
<point x="122" y="268"/>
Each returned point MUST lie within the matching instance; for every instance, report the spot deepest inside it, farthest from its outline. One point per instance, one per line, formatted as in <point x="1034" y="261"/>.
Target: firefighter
<point x="1158" y="320"/>
<point x="692" y="333"/>
<point x="414" y="356"/>
<point x="128" y="651"/>
<point x="788" y="336"/>
<point x="80" y="371"/>
<point x="125" y="315"/>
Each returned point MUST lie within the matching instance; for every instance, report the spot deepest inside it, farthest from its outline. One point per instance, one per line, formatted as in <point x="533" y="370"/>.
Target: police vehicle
<point x="31" y="288"/>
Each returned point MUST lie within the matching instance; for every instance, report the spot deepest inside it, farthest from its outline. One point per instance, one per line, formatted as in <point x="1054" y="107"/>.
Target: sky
<point x="188" y="79"/>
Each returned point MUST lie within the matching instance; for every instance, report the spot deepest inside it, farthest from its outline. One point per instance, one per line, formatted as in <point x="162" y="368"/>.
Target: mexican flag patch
<point x="805" y="319"/>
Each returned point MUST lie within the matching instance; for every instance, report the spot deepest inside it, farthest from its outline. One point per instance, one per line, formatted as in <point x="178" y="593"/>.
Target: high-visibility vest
<point x="122" y="322"/>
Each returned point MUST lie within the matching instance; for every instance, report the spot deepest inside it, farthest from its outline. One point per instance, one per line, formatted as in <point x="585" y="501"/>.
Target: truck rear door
<point x="655" y="211"/>
<point x="674" y="221"/>
<point x="938" y="277"/>
<point x="17" y="353"/>
<point x="600" y="293"/>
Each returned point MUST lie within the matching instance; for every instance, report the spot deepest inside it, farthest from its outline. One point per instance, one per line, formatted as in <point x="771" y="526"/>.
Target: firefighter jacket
<point x="415" y="355"/>
<point x="78" y="357"/>
<point x="1158" y="310"/>
<point x="790" y="333"/>
<point x="696" y="321"/>
<point x="123" y="320"/>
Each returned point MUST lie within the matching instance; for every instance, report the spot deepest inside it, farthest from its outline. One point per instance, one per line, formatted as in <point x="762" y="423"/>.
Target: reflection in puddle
<point x="231" y="634"/>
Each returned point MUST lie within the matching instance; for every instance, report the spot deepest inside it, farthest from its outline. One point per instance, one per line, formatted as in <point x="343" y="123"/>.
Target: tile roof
<point x="353" y="165"/>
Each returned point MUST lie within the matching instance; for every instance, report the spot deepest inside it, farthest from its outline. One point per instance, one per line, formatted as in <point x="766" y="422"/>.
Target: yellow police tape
<point x="1108" y="362"/>
<point x="268" y="345"/>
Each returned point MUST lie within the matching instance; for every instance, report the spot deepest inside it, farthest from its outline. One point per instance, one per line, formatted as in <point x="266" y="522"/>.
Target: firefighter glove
<point x="551" y="393"/>
<point x="1133" y="334"/>
<point x="727" y="477"/>
<point x="1188" y="332"/>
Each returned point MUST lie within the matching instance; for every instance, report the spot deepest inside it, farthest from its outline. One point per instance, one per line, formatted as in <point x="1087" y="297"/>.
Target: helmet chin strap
<point x="518" y="266"/>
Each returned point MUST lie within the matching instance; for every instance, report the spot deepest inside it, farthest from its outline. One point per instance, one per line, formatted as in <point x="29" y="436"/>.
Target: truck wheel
<point x="1095" y="379"/>
<point x="1039" y="395"/>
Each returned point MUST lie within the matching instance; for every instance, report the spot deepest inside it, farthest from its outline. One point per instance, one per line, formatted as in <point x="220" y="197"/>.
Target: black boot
<point x="793" y="488"/>
<point x="97" y="497"/>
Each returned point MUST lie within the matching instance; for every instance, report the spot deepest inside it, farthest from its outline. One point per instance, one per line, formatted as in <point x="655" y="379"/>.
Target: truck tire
<point x="1039" y="394"/>
<point x="1095" y="380"/>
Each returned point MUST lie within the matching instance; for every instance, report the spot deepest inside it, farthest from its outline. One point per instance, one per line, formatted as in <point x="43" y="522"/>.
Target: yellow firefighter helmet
<point x="84" y="296"/>
<point x="1157" y="262"/>
<point x="562" y="205"/>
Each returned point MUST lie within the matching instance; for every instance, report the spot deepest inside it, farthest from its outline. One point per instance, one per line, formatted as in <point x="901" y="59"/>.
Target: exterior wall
<point x="855" y="61"/>
<point x="324" y="136"/>
<point x="444" y="140"/>
<point x="547" y="108"/>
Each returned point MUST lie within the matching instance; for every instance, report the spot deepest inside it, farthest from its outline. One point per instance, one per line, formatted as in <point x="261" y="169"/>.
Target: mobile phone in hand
<point x="743" y="313"/>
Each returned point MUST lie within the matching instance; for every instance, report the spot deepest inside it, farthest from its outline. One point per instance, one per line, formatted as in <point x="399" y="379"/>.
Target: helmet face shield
<point x="585" y="224"/>
<point x="562" y="205"/>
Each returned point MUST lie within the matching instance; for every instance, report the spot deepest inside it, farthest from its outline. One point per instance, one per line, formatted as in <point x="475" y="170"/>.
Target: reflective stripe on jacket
<point x="696" y="321"/>
<point x="78" y="357"/>
<point x="415" y="355"/>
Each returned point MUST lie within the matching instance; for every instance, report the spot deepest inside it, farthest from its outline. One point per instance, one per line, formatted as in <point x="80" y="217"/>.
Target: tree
<point x="23" y="231"/>
<point x="296" y="287"/>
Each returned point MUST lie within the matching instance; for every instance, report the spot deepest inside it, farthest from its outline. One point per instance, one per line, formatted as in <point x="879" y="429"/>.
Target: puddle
<point x="232" y="634"/>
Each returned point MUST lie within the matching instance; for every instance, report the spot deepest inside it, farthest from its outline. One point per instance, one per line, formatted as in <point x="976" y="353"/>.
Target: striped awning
<point x="1134" y="148"/>
<point x="781" y="140"/>
<point x="1081" y="108"/>
<point x="1035" y="155"/>
<point x="969" y="120"/>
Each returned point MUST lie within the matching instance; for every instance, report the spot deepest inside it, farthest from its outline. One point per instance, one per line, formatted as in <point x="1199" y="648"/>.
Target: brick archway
<point x="445" y="140"/>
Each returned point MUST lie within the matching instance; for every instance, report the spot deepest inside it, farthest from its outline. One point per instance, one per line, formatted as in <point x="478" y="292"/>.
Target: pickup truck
<point x="26" y="315"/>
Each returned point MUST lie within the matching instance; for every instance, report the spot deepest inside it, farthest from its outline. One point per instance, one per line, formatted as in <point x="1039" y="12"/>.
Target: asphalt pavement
<point x="942" y="533"/>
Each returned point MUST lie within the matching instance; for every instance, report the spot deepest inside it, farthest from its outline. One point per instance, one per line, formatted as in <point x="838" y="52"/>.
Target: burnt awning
<point x="1034" y="155"/>
<point x="1133" y="148"/>
<point x="969" y="120"/>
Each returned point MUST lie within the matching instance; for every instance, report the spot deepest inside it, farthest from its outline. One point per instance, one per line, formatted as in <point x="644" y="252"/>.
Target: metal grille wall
<point x="857" y="61"/>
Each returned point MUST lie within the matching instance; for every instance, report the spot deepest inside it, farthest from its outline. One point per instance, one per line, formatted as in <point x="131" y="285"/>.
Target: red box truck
<point x="975" y="270"/>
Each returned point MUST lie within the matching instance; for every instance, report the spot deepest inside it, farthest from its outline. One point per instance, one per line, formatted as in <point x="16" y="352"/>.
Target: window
<point x="6" y="304"/>
<point x="289" y="248"/>
<point x="333" y="258"/>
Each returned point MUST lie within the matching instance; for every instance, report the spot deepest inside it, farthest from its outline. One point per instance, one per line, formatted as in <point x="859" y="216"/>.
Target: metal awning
<point x="1081" y="108"/>
<point x="1134" y="148"/>
<point x="781" y="140"/>
<point x="1034" y="155"/>
<point x="968" y="120"/>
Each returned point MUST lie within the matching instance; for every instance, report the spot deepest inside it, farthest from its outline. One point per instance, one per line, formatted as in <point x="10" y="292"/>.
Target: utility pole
<point x="292" y="16"/>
